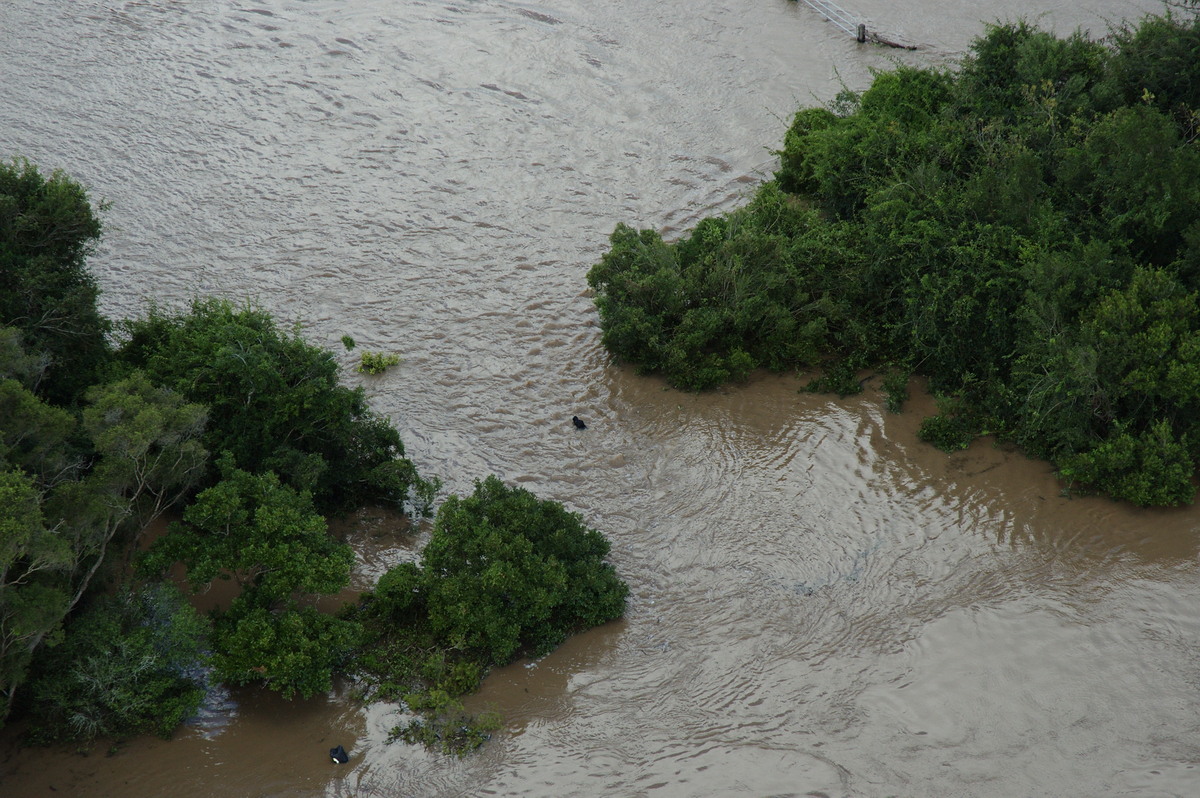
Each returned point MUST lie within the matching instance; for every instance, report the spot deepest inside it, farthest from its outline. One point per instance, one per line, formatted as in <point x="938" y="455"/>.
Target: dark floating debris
<point x="578" y="423"/>
<point x="875" y="38"/>
<point x="339" y="755"/>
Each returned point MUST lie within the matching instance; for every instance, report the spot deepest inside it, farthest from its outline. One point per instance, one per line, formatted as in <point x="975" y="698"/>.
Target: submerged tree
<point x="130" y="664"/>
<point x="266" y="536"/>
<point x="77" y="488"/>
<point x="274" y="403"/>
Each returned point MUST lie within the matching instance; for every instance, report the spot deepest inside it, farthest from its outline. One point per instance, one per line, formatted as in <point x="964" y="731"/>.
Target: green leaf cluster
<point x="377" y="362"/>
<point x="1024" y="231"/>
<point x="503" y="573"/>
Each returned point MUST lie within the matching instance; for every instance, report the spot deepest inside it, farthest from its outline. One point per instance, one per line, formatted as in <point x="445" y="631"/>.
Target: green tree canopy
<point x="274" y="402"/>
<point x="505" y="570"/>
<point x="504" y="573"/>
<point x="47" y="228"/>
<point x="132" y="663"/>
<point x="268" y="537"/>
<point x="254" y="529"/>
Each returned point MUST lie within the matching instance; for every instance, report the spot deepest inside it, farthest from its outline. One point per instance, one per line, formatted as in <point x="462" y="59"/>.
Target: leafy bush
<point x="377" y="362"/>
<point x="287" y="647"/>
<point x="268" y="537"/>
<point x="505" y="570"/>
<point x="442" y="725"/>
<point x="728" y="299"/>
<point x="503" y="573"/>
<point x="1147" y="469"/>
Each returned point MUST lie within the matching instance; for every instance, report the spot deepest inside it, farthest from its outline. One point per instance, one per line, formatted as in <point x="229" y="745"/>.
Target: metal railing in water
<point x="838" y="16"/>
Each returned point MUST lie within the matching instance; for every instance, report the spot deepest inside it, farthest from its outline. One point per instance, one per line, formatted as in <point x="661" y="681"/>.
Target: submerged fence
<point x="838" y="16"/>
<point x="841" y="17"/>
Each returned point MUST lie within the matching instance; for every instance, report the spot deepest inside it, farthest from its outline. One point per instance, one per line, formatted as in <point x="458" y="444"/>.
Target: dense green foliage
<point x="94" y="444"/>
<point x="46" y="230"/>
<point x="1024" y="231"/>
<point x="77" y="486"/>
<point x="243" y="430"/>
<point x="505" y="570"/>
<point x="274" y="403"/>
<point x="130" y="664"/>
<point x="503" y="573"/>
<point x="269" y="538"/>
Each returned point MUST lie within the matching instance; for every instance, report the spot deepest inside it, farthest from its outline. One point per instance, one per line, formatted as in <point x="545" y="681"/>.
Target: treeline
<point x="1024" y="231"/>
<point x="243" y="430"/>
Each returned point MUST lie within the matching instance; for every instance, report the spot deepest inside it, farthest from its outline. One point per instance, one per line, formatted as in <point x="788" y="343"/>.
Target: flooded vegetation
<point x="820" y="602"/>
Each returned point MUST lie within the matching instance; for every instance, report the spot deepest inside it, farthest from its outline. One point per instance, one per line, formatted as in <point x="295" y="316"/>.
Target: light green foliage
<point x="274" y="403"/>
<point x="377" y="362"/>
<point x="46" y="230"/>
<point x="1024" y="232"/>
<point x="895" y="388"/>
<point x="36" y="553"/>
<point x="130" y="664"/>
<point x="34" y="435"/>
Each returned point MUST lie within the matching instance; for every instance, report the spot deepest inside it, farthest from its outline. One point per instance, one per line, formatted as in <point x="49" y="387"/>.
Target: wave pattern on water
<point x="820" y="604"/>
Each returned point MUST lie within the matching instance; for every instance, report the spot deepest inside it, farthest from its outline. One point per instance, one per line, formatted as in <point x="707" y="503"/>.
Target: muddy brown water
<point x="821" y="605"/>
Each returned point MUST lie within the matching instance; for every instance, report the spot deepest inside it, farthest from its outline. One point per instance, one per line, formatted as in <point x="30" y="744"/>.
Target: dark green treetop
<point x="505" y="570"/>
<point x="274" y="402"/>
<point x="47" y="228"/>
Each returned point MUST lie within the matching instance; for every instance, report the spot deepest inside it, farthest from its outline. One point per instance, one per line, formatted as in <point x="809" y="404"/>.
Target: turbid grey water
<point x="821" y="605"/>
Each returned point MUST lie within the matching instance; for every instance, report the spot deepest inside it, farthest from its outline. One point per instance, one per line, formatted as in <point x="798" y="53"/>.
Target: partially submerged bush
<point x="504" y="573"/>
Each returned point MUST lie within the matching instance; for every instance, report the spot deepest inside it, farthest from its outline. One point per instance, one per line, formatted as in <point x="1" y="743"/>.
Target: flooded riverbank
<point x="821" y="604"/>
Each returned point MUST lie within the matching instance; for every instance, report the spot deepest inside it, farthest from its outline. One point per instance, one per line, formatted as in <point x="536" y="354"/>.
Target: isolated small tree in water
<point x="503" y="573"/>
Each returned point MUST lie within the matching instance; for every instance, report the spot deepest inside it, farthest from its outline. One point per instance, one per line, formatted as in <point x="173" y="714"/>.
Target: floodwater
<point x="821" y="605"/>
